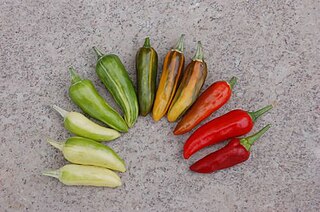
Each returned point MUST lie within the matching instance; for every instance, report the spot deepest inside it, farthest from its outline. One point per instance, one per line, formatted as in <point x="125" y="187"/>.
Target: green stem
<point x="249" y="141"/>
<point x="256" y="114"/>
<point x="180" y="45"/>
<point x="61" y="111"/>
<point x="147" y="43"/>
<point x="74" y="76"/>
<point x="98" y="52"/>
<point x="232" y="82"/>
<point x="58" y="145"/>
<point x="52" y="173"/>
<point x="199" y="53"/>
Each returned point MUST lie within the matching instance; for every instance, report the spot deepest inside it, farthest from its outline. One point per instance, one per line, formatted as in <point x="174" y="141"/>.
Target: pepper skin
<point x="72" y="174"/>
<point x="115" y="78"/>
<point x="84" y="94"/>
<point x="146" y="67"/>
<point x="213" y="98"/>
<point x="190" y="86"/>
<point x="171" y="75"/>
<point x="235" y="152"/>
<point x="80" y="125"/>
<point x="235" y="123"/>
<point x="89" y="152"/>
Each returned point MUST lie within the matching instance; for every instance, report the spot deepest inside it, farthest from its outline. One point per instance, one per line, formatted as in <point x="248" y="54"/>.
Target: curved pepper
<point x="235" y="123"/>
<point x="84" y="94"/>
<point x="80" y="125"/>
<point x="213" y="98"/>
<point x="146" y="67"/>
<point x="190" y="86"/>
<point x="88" y="152"/>
<point x="72" y="174"/>
<point x="115" y="78"/>
<point x="171" y="74"/>
<point x="235" y="152"/>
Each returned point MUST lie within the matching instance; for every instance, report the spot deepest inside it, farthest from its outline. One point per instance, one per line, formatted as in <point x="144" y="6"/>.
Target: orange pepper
<point x="190" y="86"/>
<point x="170" y="77"/>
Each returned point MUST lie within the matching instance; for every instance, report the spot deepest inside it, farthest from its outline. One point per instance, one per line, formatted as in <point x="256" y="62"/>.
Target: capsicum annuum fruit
<point x="190" y="86"/>
<point x="83" y="93"/>
<point x="171" y="75"/>
<point x="146" y="68"/>
<point x="115" y="78"/>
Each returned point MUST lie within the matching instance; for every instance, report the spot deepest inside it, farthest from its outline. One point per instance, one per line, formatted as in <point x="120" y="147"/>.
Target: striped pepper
<point x="170" y="77"/>
<point x="190" y="86"/>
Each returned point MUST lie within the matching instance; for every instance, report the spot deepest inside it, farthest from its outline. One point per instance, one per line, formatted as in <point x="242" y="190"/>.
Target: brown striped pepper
<point x="190" y="86"/>
<point x="170" y="77"/>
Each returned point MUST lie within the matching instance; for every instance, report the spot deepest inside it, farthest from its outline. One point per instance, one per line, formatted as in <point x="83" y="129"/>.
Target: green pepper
<point x="146" y="67"/>
<point x="80" y="125"/>
<point x="89" y="152"/>
<point x="115" y="78"/>
<point x="84" y="94"/>
<point x="72" y="174"/>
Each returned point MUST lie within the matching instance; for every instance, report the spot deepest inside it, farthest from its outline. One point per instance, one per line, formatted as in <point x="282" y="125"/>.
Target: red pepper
<point x="235" y="152"/>
<point x="235" y="123"/>
<point x="213" y="98"/>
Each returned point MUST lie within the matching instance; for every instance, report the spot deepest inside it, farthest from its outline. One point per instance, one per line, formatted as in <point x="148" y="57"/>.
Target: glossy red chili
<point x="235" y="123"/>
<point x="213" y="98"/>
<point x="235" y="152"/>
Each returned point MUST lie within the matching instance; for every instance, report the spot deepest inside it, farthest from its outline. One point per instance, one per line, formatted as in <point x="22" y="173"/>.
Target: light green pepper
<point x="84" y="94"/>
<point x="88" y="152"/>
<point x="80" y="125"/>
<point x="72" y="174"/>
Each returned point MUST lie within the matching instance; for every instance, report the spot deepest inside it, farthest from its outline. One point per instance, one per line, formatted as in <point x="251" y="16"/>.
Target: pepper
<point x="213" y="98"/>
<point x="84" y="94"/>
<point x="72" y="174"/>
<point x="190" y="86"/>
<point x="235" y="152"/>
<point x="146" y="68"/>
<point x="115" y="78"/>
<point x="88" y="152"/>
<point x="80" y="125"/>
<point x="171" y="75"/>
<point x="235" y="123"/>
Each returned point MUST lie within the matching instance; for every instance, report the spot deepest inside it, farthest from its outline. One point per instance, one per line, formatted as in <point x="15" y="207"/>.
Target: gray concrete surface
<point x="273" y="47"/>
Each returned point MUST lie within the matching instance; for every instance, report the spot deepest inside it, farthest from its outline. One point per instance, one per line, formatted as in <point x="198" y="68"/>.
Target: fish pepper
<point x="80" y="125"/>
<point x="146" y="68"/>
<point x="171" y="75"/>
<point x="72" y="174"/>
<point x="235" y="123"/>
<point x="213" y="98"/>
<point x="88" y="152"/>
<point x="190" y="86"/>
<point x="115" y="78"/>
<point x="235" y="152"/>
<point x="84" y="94"/>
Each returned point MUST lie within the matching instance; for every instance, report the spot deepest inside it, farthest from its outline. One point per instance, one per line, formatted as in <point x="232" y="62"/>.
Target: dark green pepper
<point x="115" y="78"/>
<point x="146" y="67"/>
<point x="84" y="94"/>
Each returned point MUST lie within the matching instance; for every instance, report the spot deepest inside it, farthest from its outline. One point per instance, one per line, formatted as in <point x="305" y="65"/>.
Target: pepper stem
<point x="61" y="111"/>
<point x="249" y="141"/>
<point x="147" y="43"/>
<point x="199" y="53"/>
<point x="256" y="114"/>
<point x="74" y="76"/>
<point x="98" y="52"/>
<point x="52" y="173"/>
<point x="232" y="82"/>
<point x="58" y="145"/>
<point x="180" y="44"/>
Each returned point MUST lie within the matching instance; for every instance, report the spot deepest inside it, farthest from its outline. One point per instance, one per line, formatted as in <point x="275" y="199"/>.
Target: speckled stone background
<point x="273" y="47"/>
